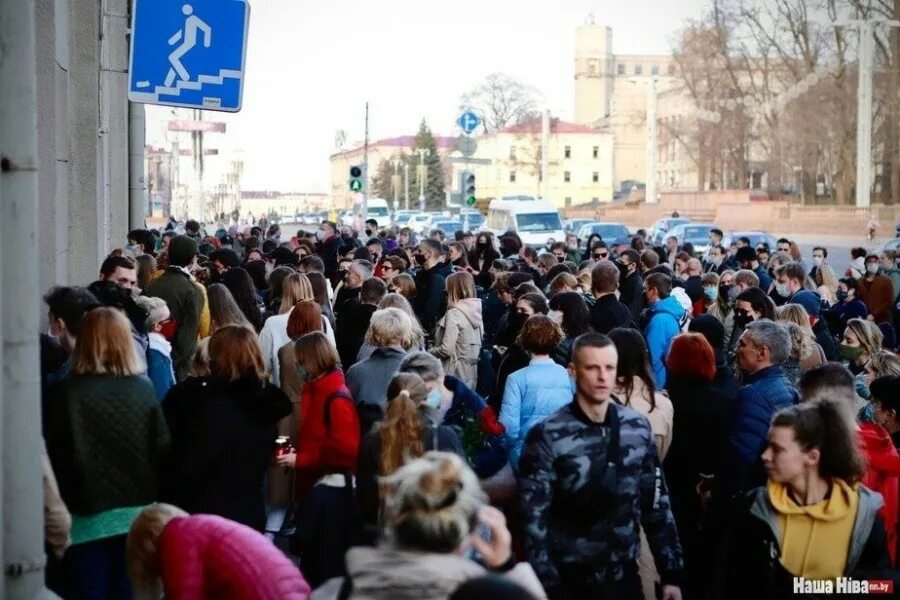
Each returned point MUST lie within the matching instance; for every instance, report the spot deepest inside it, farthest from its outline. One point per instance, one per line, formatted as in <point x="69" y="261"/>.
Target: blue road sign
<point x="189" y="53"/>
<point x="468" y="121"/>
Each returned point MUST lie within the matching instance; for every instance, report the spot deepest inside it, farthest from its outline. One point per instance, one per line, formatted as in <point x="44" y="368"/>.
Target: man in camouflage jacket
<point x="589" y="477"/>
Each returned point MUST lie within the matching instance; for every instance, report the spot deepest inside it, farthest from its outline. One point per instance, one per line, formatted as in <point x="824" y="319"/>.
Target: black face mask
<point x="841" y="295"/>
<point x="368" y="232"/>
<point x="742" y="320"/>
<point x="420" y="259"/>
<point x="724" y="289"/>
<point x="623" y="270"/>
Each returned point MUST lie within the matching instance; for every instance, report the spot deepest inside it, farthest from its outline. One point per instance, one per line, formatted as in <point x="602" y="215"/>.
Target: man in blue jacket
<point x="761" y="349"/>
<point x="663" y="321"/>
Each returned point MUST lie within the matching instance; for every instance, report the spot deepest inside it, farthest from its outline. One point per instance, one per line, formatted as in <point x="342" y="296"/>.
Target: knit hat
<point x="810" y="301"/>
<point x="182" y="250"/>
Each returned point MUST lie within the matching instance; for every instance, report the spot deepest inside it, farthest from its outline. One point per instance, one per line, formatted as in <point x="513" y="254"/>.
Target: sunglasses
<point x="601" y="254"/>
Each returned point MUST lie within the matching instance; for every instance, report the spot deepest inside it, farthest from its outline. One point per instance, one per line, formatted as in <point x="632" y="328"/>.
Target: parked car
<point x="448" y="227"/>
<point x="756" y="238"/>
<point x="657" y="231"/>
<point x="311" y="219"/>
<point x="573" y="225"/>
<point x="609" y="232"/>
<point x="472" y="220"/>
<point x="402" y="217"/>
<point x="695" y="233"/>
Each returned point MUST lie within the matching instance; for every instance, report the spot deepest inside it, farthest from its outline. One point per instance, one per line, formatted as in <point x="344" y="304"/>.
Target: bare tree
<point x="501" y="101"/>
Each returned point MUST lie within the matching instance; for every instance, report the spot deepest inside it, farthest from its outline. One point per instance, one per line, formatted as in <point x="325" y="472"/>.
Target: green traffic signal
<point x="470" y="201"/>
<point x="355" y="185"/>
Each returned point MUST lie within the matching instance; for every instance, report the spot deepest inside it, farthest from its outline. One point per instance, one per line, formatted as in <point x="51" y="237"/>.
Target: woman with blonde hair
<point x="827" y="283"/>
<point x="274" y="334"/>
<point x="417" y="340"/>
<point x="105" y="473"/>
<point x="405" y="433"/>
<point x="174" y="555"/>
<point x="806" y="353"/>
<point x="432" y="511"/>
<point x="862" y="339"/>
<point x="389" y="333"/>
<point x="223" y="432"/>
<point x="458" y="335"/>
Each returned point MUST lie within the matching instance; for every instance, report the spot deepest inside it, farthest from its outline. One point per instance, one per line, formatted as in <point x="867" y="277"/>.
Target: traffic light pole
<point x="365" y="189"/>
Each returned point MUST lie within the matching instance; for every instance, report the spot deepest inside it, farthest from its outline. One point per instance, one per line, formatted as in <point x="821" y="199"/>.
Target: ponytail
<point x="827" y="426"/>
<point x="401" y="431"/>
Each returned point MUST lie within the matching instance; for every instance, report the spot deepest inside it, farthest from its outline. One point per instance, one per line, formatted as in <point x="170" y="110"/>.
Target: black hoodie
<point x="223" y="437"/>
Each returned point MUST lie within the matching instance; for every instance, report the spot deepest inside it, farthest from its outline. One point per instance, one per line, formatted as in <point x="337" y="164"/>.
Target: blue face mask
<point x="433" y="399"/>
<point x="711" y="292"/>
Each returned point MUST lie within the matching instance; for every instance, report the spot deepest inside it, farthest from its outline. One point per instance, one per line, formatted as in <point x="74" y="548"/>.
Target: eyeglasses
<point x="601" y="254"/>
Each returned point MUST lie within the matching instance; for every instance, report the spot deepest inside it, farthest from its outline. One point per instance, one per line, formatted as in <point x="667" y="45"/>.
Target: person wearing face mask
<point x="572" y="252"/>
<point x="876" y="290"/>
<point x="716" y="260"/>
<point x="322" y="443"/>
<point x="454" y="404"/>
<point x="789" y="280"/>
<point x="750" y="305"/>
<point x="328" y="243"/>
<point x="160" y="329"/>
<point x="722" y="307"/>
<point x="860" y="341"/>
<point x="431" y="277"/>
<point x="405" y="433"/>
<point x="514" y="356"/>
<point x="371" y="228"/>
<point x="570" y="311"/>
<point x="857" y="268"/>
<point x="747" y="259"/>
<point x="630" y="282"/>
<point x="848" y="305"/>
<point x="820" y="257"/>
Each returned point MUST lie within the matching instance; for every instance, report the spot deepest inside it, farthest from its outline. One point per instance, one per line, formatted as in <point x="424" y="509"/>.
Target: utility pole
<point x="864" y="107"/>
<point x="406" y="184"/>
<point x="650" y="194"/>
<point x="365" y="190"/>
<point x="395" y="180"/>
<point x="545" y="155"/>
<point x="422" y="152"/>
<point x="21" y="448"/>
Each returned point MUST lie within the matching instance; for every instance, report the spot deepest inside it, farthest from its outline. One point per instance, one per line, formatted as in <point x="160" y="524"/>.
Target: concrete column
<point x="88" y="221"/>
<point x="22" y="554"/>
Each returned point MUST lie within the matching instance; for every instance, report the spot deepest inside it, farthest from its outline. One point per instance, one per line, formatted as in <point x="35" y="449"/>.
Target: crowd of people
<point x="368" y="414"/>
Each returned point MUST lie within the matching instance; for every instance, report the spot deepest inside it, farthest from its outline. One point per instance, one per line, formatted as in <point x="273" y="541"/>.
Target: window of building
<point x="672" y="70"/>
<point x="595" y="200"/>
<point x="654" y="70"/>
<point x="512" y="176"/>
<point x="596" y="152"/>
<point x="638" y="69"/>
<point x="567" y="177"/>
<point x="512" y="153"/>
<point x="620" y="69"/>
<point x="592" y="68"/>
<point x="567" y="152"/>
<point x="568" y="201"/>
<point x="595" y="177"/>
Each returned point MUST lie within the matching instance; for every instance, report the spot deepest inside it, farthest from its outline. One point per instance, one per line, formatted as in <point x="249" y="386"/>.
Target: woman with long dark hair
<point x="635" y="386"/>
<point x="482" y="257"/>
<point x="241" y="287"/>
<point x="223" y="310"/>
<point x="570" y="311"/>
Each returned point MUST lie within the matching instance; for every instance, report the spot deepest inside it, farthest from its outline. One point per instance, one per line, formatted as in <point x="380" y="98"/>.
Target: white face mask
<point x="872" y="268"/>
<point x="556" y="316"/>
<point x="818" y="261"/>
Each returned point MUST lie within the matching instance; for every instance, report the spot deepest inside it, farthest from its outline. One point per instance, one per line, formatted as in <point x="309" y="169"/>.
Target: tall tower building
<point x="594" y="71"/>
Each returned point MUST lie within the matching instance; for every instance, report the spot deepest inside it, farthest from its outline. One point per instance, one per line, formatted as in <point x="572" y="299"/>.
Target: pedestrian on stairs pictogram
<point x="189" y="53"/>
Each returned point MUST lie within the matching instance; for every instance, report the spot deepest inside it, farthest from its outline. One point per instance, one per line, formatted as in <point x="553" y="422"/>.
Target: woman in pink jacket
<point x="193" y="557"/>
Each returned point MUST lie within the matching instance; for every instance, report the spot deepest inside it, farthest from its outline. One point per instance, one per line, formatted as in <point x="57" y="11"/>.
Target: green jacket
<point x="894" y="274"/>
<point x="106" y="437"/>
<point x="185" y="304"/>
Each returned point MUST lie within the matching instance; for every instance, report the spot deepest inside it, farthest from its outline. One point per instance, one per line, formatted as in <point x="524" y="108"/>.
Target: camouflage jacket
<point x="582" y="502"/>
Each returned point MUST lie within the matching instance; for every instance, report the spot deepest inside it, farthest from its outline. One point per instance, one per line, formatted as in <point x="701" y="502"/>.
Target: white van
<point x="535" y="221"/>
<point x="378" y="210"/>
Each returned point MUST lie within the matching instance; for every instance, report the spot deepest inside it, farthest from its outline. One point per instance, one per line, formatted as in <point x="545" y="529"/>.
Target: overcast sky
<point x="312" y="65"/>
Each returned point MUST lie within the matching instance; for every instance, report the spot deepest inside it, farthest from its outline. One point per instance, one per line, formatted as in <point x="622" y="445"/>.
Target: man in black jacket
<point x="813" y="305"/>
<point x="431" y="301"/>
<point x="630" y="282"/>
<point x="607" y="313"/>
<point x="353" y="321"/>
<point x="327" y="248"/>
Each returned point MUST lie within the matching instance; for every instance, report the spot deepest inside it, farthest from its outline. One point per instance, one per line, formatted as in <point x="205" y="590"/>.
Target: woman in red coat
<point x="328" y="439"/>
<point x="205" y="556"/>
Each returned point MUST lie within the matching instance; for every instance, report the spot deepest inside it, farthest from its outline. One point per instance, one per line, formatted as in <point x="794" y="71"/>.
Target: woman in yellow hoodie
<point x="813" y="523"/>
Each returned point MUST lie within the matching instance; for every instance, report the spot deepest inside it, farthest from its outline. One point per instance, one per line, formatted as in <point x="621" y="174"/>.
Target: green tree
<point x="380" y="185"/>
<point x="435" y="198"/>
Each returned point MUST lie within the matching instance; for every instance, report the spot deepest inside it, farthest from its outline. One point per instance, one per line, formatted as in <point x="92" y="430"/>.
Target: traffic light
<point x="469" y="189"/>
<point x="356" y="182"/>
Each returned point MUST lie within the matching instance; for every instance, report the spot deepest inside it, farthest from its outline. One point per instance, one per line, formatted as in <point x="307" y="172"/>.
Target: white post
<point x="365" y="190"/>
<point x="396" y="162"/>
<point x="650" y="197"/>
<point x="545" y="154"/>
<point x="138" y="208"/>
<point x="406" y="185"/>
<point x="22" y="531"/>
<point x="864" y="116"/>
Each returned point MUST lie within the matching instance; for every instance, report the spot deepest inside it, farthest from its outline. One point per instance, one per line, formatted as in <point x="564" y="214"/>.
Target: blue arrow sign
<point x="468" y="121"/>
<point x="189" y="53"/>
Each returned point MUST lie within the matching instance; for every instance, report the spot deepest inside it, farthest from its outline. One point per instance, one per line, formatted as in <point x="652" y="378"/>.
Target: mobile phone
<point x="484" y="532"/>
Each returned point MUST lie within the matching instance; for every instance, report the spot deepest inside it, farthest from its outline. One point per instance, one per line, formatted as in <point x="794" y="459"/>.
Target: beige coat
<point x="661" y="418"/>
<point x="457" y="340"/>
<point x="57" y="520"/>
<point x="281" y="480"/>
